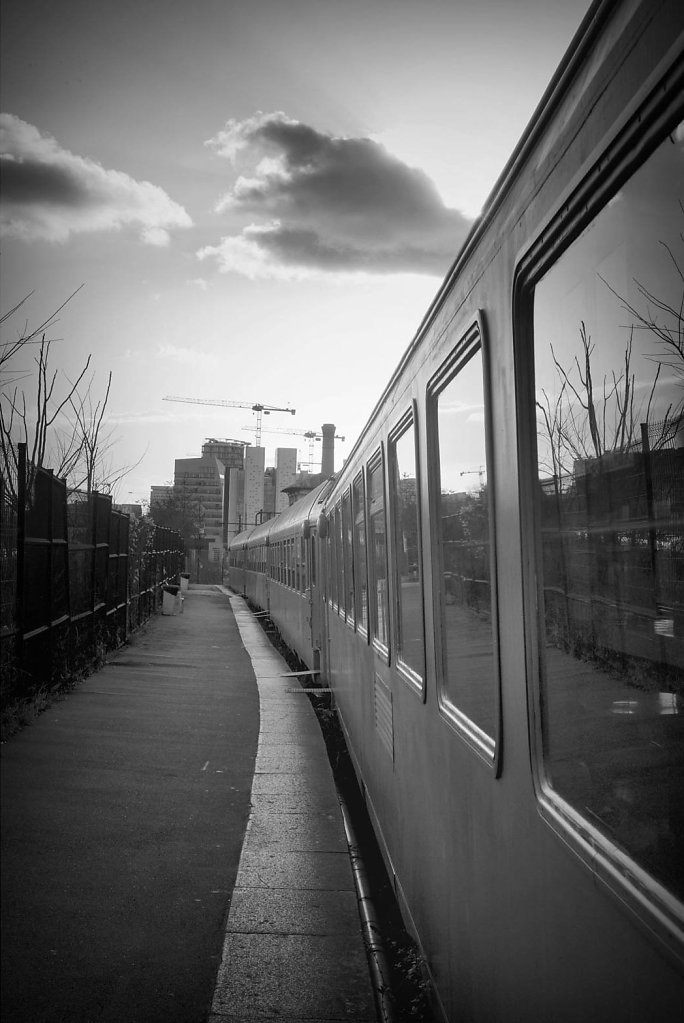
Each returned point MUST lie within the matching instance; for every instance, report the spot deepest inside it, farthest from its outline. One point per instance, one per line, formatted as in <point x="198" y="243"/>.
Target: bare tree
<point x="62" y="424"/>
<point x="588" y="418"/>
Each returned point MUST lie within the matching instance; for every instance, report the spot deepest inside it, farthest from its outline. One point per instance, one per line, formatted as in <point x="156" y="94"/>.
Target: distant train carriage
<point x="495" y="589"/>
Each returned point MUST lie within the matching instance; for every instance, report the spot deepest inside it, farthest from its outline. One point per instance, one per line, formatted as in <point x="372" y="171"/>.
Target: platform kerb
<point x="294" y="948"/>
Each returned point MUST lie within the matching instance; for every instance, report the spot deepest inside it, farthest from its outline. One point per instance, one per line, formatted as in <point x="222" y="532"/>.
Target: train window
<point x="378" y="552"/>
<point x="305" y="566"/>
<point x="313" y="566"/>
<point x="469" y="687"/>
<point x="296" y="552"/>
<point x="347" y="554"/>
<point x="333" y="558"/>
<point x="608" y="365"/>
<point x="406" y="528"/>
<point x="339" y="547"/>
<point x="360" y="566"/>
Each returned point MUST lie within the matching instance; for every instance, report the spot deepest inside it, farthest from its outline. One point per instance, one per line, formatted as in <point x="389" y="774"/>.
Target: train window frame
<point x="359" y="515"/>
<point x="332" y="560"/>
<point x="632" y="142"/>
<point x="304" y="554"/>
<point x="377" y="461"/>
<point x="339" y="543"/>
<point x="409" y="421"/>
<point x="472" y="340"/>
<point x="348" y="556"/>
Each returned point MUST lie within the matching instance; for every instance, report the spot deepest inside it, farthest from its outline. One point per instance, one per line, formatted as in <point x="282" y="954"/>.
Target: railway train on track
<point x="493" y="584"/>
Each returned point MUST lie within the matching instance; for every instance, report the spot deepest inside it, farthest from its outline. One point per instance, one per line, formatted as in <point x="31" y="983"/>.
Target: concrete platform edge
<point x="293" y="945"/>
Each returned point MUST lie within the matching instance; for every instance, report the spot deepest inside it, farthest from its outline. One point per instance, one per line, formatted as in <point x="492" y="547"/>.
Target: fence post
<point x="21" y="546"/>
<point x="650" y="510"/>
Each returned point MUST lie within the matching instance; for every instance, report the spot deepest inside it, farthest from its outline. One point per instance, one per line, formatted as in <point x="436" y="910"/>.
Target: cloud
<point x="187" y="356"/>
<point x="326" y="204"/>
<point x="50" y="193"/>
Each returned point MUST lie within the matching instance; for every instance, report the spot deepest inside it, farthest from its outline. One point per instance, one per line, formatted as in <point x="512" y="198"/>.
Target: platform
<point x="173" y="848"/>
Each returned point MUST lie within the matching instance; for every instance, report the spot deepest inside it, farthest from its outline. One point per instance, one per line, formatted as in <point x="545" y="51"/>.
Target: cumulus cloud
<point x="328" y="204"/>
<point x="50" y="193"/>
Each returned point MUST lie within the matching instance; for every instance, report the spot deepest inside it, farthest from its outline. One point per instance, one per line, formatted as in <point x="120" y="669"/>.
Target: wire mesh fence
<point x="76" y="576"/>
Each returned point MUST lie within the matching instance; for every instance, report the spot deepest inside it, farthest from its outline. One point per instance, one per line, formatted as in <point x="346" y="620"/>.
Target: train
<point x="492" y="586"/>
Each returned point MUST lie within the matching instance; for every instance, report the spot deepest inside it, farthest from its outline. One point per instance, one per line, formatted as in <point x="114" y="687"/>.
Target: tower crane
<point x="311" y="435"/>
<point x="480" y="471"/>
<point x="259" y="407"/>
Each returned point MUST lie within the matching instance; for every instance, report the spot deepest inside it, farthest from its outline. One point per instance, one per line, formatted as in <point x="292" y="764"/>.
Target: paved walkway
<point x="124" y="810"/>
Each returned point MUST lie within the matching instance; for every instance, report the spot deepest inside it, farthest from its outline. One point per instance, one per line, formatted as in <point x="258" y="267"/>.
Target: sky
<point x="257" y="200"/>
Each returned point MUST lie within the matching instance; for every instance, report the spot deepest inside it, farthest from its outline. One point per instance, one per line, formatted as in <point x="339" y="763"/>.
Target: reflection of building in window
<point x="470" y="682"/>
<point x="609" y="372"/>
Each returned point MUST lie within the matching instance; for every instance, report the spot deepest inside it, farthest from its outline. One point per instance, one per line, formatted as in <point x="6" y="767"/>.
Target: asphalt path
<point x="124" y="808"/>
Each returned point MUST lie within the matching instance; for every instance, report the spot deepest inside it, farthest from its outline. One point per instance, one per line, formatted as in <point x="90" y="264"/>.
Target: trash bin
<point x="185" y="581"/>
<point x="172" y="601"/>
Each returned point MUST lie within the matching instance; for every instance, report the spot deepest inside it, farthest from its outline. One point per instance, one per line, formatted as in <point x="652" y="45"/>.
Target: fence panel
<point x="9" y="625"/>
<point x="75" y="575"/>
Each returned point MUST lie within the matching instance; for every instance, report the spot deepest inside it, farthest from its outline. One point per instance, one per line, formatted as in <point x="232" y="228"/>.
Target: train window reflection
<point x="378" y="553"/>
<point x="339" y="548"/>
<point x="609" y="380"/>
<point x="470" y="682"/>
<point x="411" y="649"/>
<point x="334" y="558"/>
<point x="347" y="553"/>
<point x="360" y="567"/>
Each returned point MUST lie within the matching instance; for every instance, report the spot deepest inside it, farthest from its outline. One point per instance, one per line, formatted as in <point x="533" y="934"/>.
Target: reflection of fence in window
<point x="613" y="543"/>
<point x="467" y="578"/>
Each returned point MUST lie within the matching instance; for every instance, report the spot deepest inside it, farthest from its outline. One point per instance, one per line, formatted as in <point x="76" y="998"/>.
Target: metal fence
<point x="76" y="576"/>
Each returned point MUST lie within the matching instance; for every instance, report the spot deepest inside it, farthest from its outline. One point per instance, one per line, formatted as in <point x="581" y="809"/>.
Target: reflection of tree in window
<point x="470" y="676"/>
<point x="378" y="552"/>
<point x="360" y="568"/>
<point x="409" y="587"/>
<point x="609" y="369"/>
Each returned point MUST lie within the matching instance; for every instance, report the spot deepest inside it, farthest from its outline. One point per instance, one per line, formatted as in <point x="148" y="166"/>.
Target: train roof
<point x="589" y="29"/>
<point x="301" y="511"/>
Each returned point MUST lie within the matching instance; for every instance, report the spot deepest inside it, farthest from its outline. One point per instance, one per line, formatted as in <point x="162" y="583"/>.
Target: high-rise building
<point x="198" y="487"/>
<point x="160" y="495"/>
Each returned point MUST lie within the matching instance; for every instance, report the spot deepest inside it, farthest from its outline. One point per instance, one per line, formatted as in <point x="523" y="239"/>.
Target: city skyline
<point x="258" y="201"/>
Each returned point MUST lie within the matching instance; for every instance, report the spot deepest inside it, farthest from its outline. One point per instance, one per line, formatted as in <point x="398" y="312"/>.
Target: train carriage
<point x="502" y="607"/>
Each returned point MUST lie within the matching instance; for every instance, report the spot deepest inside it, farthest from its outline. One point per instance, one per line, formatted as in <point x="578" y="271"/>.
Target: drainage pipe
<point x="372" y="935"/>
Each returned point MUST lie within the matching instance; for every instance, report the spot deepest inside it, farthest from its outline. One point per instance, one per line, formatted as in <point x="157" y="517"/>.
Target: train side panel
<point x="442" y="559"/>
<point x="516" y="921"/>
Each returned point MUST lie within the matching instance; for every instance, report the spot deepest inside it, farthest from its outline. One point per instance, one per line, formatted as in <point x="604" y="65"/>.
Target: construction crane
<point x="311" y="435"/>
<point x="480" y="471"/>
<point x="259" y="407"/>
